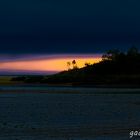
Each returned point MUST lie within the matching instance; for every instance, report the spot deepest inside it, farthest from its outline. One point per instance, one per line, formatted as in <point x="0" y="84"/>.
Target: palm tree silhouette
<point x="68" y="65"/>
<point x="74" y="64"/>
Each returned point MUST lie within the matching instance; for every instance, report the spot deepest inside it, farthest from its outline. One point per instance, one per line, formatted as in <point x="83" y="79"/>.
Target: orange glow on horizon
<point x="59" y="64"/>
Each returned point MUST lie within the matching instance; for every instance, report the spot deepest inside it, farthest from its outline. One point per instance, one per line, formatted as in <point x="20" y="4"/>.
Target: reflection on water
<point x="97" y="115"/>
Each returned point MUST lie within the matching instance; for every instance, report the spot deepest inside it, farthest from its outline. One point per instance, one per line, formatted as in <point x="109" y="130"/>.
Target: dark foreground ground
<point x="54" y="113"/>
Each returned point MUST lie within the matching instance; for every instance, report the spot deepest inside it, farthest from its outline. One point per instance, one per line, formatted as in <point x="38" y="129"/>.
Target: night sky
<point x="48" y="27"/>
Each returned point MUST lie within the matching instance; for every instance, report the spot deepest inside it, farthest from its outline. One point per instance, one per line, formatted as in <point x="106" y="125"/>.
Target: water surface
<point x="94" y="114"/>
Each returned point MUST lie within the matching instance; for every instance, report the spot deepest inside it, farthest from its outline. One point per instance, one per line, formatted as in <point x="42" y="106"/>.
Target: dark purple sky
<point x="72" y="26"/>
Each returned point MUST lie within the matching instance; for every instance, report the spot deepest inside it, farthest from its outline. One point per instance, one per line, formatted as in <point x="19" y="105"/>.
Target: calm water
<point x="99" y="114"/>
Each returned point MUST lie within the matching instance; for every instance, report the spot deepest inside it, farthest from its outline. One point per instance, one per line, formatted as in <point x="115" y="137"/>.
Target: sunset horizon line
<point x="48" y="63"/>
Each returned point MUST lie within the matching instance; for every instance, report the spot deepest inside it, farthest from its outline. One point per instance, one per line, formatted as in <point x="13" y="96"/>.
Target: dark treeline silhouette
<point x="116" y="68"/>
<point x="117" y="62"/>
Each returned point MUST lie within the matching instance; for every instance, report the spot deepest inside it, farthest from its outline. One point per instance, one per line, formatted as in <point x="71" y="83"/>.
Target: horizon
<point x="47" y="64"/>
<point x="42" y="29"/>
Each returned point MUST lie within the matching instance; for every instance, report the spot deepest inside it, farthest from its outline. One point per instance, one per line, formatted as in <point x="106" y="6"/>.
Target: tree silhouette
<point x="133" y="51"/>
<point x="74" y="64"/>
<point x="133" y="56"/>
<point x="68" y="65"/>
<point x="87" y="64"/>
<point x="111" y="55"/>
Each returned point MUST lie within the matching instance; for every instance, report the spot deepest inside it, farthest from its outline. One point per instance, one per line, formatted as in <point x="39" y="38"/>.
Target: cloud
<point x="52" y="26"/>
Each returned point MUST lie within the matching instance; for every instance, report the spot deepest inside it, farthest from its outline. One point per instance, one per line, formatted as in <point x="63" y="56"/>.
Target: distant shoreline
<point x="5" y="81"/>
<point x="18" y="84"/>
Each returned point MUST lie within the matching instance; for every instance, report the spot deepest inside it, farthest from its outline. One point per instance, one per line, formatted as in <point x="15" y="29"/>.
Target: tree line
<point x="116" y="67"/>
